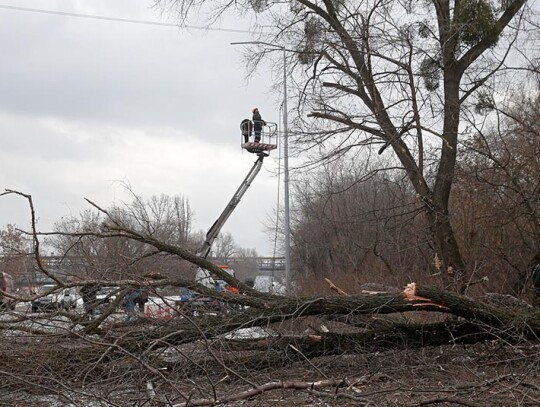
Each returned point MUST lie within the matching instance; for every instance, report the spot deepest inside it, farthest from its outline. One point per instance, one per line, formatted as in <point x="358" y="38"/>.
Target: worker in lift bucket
<point x="246" y="126"/>
<point x="258" y="123"/>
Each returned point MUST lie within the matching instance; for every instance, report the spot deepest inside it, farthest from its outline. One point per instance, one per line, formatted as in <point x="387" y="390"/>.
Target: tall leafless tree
<point x="393" y="75"/>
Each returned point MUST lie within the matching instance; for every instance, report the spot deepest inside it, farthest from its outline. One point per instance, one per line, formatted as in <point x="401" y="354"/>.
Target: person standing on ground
<point x="130" y="300"/>
<point x="89" y="294"/>
<point x="258" y="123"/>
<point x="142" y="299"/>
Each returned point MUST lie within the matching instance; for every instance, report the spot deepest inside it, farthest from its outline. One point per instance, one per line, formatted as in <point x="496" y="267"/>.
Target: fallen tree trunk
<point x="264" y="309"/>
<point x="466" y="321"/>
<point x="475" y="321"/>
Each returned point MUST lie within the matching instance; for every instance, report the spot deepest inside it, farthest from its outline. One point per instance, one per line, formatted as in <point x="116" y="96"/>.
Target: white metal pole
<point x="286" y="179"/>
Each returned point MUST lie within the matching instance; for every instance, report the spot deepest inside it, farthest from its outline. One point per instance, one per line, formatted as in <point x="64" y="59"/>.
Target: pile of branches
<point x="159" y="361"/>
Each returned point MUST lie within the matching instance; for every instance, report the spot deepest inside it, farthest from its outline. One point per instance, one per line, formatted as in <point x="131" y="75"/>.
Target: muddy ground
<point x="491" y="373"/>
<point x="486" y="374"/>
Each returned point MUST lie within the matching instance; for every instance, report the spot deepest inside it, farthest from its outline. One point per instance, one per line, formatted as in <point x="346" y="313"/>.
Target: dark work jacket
<point x="246" y="126"/>
<point x="258" y="122"/>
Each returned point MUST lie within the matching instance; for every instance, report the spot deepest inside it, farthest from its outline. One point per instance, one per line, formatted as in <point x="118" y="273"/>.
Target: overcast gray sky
<point x="87" y="105"/>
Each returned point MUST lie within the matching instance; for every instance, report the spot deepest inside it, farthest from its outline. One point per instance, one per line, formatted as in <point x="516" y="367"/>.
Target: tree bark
<point x="476" y="321"/>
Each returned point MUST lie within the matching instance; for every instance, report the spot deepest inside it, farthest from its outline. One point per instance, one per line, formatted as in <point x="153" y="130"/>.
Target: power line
<point x="121" y="20"/>
<point x="126" y="20"/>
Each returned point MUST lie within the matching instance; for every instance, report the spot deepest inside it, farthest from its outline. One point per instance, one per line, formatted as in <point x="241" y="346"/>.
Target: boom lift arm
<point x="205" y="248"/>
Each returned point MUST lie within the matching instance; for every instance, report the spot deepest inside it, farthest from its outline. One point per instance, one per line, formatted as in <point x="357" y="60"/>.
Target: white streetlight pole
<point x="286" y="180"/>
<point x="285" y="161"/>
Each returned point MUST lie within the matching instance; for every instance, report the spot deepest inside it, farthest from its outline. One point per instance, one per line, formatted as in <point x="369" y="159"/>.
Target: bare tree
<point x="15" y="250"/>
<point x="496" y="198"/>
<point x="361" y="224"/>
<point x="165" y="218"/>
<point x="394" y="75"/>
<point x="224" y="247"/>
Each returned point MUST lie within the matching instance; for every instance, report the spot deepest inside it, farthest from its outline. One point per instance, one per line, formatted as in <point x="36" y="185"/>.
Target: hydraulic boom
<point x="205" y="248"/>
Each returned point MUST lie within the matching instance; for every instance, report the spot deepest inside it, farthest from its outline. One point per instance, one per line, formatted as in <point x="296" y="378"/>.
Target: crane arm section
<point x="205" y="248"/>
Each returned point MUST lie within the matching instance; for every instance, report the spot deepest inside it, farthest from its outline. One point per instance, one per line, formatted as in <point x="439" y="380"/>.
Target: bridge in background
<point x="63" y="267"/>
<point x="265" y="265"/>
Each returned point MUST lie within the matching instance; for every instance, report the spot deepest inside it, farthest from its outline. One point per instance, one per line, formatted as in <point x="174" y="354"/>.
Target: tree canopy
<point x="393" y="77"/>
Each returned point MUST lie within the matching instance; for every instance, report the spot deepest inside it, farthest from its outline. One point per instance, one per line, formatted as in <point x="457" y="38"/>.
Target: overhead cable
<point x="121" y="20"/>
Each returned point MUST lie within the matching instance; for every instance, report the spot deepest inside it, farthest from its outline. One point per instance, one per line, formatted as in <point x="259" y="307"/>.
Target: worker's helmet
<point x="255" y="109"/>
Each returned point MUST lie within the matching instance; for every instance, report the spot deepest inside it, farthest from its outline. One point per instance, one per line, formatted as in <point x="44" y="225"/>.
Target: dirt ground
<point x="493" y="373"/>
<point x="486" y="374"/>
